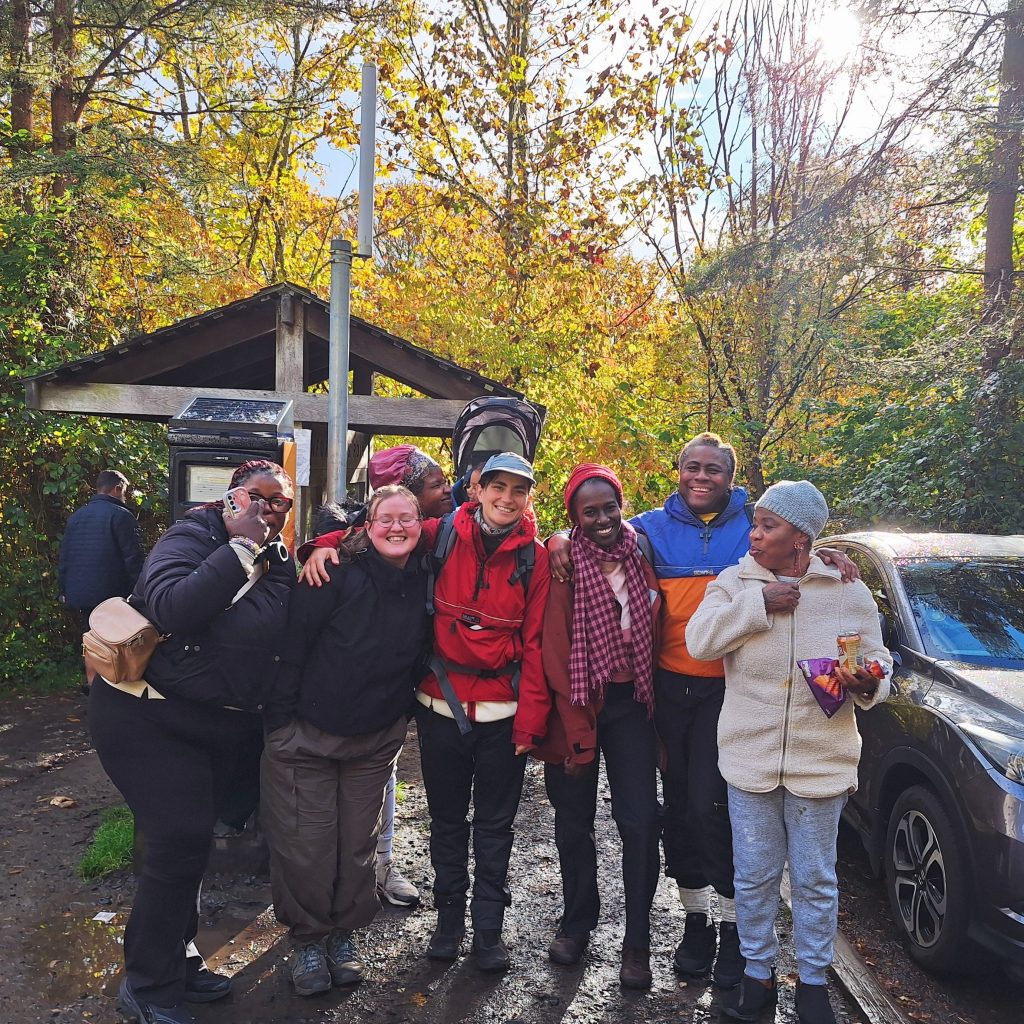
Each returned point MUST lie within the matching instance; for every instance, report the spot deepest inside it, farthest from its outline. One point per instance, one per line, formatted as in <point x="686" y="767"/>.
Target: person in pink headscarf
<point x="409" y="467"/>
<point x="600" y="637"/>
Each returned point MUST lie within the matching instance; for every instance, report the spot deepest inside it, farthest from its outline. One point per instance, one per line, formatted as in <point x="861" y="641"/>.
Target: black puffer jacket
<point x="218" y="653"/>
<point x="101" y="553"/>
<point x="355" y="647"/>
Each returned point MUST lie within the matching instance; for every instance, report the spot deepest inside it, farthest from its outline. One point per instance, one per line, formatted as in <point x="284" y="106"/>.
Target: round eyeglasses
<point x="388" y="521"/>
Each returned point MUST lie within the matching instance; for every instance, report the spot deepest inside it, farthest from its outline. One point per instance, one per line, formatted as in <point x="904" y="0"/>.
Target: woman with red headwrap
<point x="600" y="631"/>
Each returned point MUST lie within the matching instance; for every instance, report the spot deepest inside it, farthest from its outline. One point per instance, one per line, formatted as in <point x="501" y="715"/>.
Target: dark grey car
<point x="940" y="807"/>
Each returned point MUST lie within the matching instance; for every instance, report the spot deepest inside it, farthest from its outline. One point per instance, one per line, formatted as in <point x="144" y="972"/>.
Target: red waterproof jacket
<point x="484" y="621"/>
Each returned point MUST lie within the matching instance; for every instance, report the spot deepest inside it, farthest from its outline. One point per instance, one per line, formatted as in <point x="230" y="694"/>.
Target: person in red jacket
<point x="483" y="705"/>
<point x="600" y="641"/>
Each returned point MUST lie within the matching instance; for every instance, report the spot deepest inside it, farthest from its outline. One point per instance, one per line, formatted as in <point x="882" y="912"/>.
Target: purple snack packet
<point x="813" y="668"/>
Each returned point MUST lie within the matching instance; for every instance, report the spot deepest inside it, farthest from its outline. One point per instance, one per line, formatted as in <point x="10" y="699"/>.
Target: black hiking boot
<point x="812" y="1005"/>
<point x="490" y="952"/>
<point x="729" y="964"/>
<point x="446" y="942"/>
<point x="696" y="953"/>
<point x="754" y="998"/>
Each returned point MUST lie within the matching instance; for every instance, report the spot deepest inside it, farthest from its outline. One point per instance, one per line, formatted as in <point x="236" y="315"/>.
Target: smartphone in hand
<point x="236" y="501"/>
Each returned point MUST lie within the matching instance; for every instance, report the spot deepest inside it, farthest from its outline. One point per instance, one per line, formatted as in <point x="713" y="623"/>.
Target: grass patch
<point x="111" y="847"/>
<point x="400" y="790"/>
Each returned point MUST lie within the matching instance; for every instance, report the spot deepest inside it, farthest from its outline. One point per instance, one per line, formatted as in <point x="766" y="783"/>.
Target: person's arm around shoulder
<point x="317" y="554"/>
<point x="727" y="617"/>
<point x="534" y="696"/>
<point x="559" y="548"/>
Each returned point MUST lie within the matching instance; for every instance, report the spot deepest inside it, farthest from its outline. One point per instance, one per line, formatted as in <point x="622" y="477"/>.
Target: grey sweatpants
<point x="322" y="797"/>
<point x="769" y="829"/>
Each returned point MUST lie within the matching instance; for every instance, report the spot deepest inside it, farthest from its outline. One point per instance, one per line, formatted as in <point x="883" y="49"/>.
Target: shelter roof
<point x="234" y="346"/>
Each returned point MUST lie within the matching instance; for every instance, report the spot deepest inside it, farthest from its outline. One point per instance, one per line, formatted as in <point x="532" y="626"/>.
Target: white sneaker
<point x="393" y="887"/>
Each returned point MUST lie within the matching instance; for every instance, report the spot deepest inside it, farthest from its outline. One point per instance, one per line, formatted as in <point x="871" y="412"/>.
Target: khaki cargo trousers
<point x="322" y="797"/>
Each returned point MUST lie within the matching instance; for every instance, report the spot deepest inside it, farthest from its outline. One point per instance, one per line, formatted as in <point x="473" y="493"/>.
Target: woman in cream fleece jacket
<point x="789" y="767"/>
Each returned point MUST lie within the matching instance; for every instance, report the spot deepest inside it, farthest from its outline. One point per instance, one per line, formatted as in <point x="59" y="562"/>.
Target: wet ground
<point x="61" y="964"/>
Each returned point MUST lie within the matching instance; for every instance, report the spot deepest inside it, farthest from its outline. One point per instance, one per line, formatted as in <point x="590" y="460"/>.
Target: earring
<point x="797" y="555"/>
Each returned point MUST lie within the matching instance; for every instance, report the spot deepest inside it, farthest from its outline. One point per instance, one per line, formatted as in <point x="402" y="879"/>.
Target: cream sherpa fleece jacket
<point x="771" y="731"/>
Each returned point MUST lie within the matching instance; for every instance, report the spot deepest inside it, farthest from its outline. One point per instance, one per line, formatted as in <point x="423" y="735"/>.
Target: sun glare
<point x="837" y="34"/>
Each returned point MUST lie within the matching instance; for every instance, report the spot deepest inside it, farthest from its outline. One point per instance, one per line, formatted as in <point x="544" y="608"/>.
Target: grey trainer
<point x="394" y="887"/>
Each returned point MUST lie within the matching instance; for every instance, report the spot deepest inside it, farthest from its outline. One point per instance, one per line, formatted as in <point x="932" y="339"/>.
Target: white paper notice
<point x="303" y="448"/>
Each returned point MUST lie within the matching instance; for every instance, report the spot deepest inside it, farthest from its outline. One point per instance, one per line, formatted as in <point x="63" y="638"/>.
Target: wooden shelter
<point x="271" y="345"/>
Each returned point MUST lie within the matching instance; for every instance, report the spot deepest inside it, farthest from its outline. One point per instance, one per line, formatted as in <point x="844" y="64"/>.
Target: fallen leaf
<point x="15" y="871"/>
<point x="63" y="801"/>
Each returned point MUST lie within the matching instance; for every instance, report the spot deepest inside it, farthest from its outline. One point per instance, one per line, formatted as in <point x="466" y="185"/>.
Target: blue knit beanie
<point x="799" y="502"/>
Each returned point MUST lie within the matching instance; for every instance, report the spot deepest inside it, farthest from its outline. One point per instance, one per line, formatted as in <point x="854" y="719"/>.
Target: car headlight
<point x="1005" y="750"/>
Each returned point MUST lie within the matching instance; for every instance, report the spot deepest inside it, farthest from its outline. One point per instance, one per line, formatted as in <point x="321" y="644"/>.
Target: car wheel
<point x="928" y="883"/>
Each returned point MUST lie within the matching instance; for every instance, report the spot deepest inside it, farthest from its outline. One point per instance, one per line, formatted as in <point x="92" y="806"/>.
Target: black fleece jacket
<point x="355" y="647"/>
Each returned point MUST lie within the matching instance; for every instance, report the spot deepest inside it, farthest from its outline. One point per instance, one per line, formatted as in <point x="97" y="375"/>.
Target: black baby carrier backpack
<point x="490" y="425"/>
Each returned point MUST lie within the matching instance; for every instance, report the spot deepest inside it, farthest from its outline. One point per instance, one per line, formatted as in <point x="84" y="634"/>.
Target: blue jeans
<point x="769" y="829"/>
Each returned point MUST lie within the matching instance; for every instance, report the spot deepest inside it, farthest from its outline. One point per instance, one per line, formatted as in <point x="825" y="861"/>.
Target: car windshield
<point x="970" y="609"/>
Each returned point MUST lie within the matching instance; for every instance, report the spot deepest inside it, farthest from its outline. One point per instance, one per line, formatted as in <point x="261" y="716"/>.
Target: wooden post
<point x="289" y="363"/>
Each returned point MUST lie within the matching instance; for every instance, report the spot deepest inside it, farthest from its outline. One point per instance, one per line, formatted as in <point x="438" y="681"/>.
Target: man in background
<point x="101" y="554"/>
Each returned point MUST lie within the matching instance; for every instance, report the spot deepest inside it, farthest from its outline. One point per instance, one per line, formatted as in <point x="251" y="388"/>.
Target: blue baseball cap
<point x="508" y="462"/>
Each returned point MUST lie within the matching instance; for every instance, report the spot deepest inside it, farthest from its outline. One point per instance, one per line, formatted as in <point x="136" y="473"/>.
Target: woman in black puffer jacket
<point x="356" y="652"/>
<point x="219" y="586"/>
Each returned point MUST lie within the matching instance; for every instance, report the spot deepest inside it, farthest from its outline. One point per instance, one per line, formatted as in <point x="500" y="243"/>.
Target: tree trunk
<point x="752" y="468"/>
<point x="62" y="92"/>
<point x="22" y="89"/>
<point x="1002" y="196"/>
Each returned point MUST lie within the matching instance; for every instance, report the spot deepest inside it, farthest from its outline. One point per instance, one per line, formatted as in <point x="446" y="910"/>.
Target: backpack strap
<point x="433" y="561"/>
<point x="440" y="667"/>
<point x="526" y="557"/>
<point x="643" y="542"/>
<point x="437" y="666"/>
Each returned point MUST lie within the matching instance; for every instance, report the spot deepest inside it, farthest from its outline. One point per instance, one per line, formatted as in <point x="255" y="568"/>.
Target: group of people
<point x="668" y="641"/>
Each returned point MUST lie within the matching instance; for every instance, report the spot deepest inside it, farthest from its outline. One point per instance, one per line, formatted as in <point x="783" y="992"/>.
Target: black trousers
<point x="482" y="765"/>
<point x="625" y="737"/>
<point x="696" y="835"/>
<point x="169" y="759"/>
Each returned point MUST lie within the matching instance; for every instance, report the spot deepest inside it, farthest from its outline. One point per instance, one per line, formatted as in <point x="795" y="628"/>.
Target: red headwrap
<point x="589" y="471"/>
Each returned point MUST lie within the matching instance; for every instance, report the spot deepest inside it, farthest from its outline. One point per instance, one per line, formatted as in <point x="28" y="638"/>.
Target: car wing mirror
<point x="894" y="681"/>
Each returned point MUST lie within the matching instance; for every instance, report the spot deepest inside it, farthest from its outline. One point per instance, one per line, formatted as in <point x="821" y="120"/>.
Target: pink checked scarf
<point x="598" y="650"/>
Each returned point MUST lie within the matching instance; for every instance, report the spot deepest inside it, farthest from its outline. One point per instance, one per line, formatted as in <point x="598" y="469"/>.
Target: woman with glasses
<point x="217" y="586"/>
<point x="346" y="692"/>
